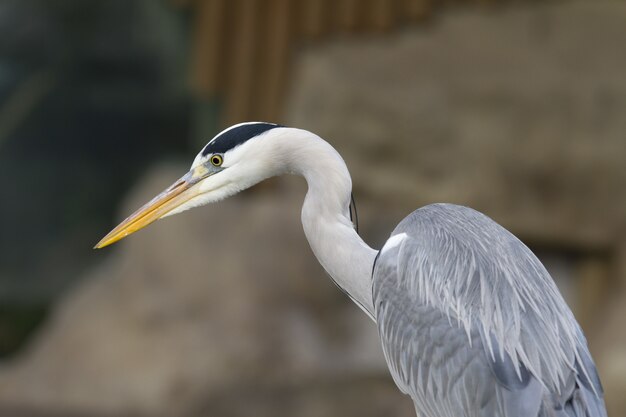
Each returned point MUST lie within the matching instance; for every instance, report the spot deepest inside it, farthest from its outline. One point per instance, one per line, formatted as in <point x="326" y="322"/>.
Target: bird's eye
<point x="217" y="160"/>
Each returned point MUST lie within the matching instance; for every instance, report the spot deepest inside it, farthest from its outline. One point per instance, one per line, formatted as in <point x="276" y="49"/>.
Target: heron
<point x="470" y="321"/>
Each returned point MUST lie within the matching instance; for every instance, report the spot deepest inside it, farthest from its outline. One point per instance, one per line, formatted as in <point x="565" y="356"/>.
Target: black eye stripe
<point x="236" y="136"/>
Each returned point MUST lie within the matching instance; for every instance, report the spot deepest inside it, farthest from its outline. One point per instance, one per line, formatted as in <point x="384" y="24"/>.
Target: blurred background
<point x="516" y="108"/>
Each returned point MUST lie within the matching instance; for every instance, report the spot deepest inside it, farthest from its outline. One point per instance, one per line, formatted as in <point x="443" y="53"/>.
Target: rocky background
<point x="518" y="111"/>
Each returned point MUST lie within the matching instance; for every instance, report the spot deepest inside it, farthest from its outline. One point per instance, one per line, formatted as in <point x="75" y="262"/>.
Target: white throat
<point x="326" y="213"/>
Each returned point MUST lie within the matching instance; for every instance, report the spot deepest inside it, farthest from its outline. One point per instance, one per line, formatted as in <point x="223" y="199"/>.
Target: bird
<point x="470" y="321"/>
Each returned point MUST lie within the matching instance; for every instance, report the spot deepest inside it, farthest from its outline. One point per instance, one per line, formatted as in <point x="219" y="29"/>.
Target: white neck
<point x="326" y="213"/>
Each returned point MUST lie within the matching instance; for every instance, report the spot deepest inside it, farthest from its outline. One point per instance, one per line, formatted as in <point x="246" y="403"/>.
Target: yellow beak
<point x="177" y="194"/>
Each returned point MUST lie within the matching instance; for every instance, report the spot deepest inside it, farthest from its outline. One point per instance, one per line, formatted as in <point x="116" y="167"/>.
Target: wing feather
<point x="473" y="325"/>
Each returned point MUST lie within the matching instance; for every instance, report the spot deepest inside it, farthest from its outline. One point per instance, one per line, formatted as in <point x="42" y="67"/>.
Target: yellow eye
<point x="217" y="160"/>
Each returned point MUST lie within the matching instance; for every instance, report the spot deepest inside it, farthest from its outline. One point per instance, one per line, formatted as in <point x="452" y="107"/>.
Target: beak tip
<point x="98" y="245"/>
<point x="104" y="242"/>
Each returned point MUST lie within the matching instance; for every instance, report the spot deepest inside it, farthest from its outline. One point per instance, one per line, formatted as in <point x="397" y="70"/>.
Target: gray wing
<point x="472" y="324"/>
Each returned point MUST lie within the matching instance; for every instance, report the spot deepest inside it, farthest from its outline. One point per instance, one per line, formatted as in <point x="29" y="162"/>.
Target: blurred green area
<point x="91" y="94"/>
<point x="17" y="323"/>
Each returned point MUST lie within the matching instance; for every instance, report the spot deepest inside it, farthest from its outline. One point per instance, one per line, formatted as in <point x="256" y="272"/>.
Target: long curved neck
<point x="326" y="215"/>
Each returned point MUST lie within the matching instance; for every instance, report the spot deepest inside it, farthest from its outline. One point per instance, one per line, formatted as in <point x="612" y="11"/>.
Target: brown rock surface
<point x="517" y="113"/>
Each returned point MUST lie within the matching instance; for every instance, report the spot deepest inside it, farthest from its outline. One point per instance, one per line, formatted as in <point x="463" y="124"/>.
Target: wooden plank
<point x="313" y="20"/>
<point x="273" y="62"/>
<point x="241" y="65"/>
<point x="207" y="38"/>
<point x="346" y="14"/>
<point x="381" y="14"/>
<point x="416" y="10"/>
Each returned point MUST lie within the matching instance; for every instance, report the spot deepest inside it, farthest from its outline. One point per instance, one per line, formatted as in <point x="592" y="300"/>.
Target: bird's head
<point x="235" y="159"/>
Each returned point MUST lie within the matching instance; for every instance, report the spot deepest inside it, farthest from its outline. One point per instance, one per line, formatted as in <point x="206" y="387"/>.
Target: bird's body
<point x="471" y="323"/>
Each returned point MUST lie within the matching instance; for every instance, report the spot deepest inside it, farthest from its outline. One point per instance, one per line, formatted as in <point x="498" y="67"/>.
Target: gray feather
<point x="473" y="325"/>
